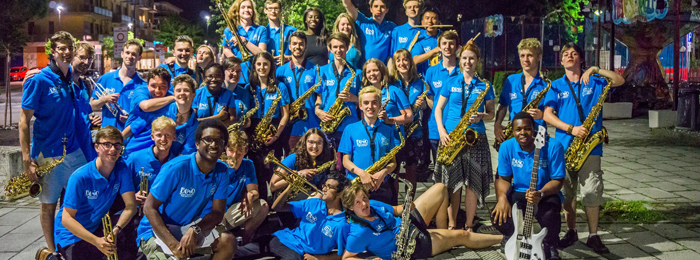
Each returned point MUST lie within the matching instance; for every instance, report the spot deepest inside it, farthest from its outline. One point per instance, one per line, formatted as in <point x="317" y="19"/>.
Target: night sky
<point x="191" y="8"/>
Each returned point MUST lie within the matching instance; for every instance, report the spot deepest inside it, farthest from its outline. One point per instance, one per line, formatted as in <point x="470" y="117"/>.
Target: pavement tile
<point x="689" y="174"/>
<point x="612" y="159"/>
<point x="633" y="165"/>
<point x="15" y="242"/>
<point x="618" y="170"/>
<point x="654" y="193"/>
<point x="675" y="255"/>
<point x="18" y="216"/>
<point x="611" y="176"/>
<point x="692" y="195"/>
<point x="606" y="238"/>
<point x="666" y="167"/>
<point x="616" y="228"/>
<point x="625" y="251"/>
<point x="627" y="183"/>
<point x="682" y="180"/>
<point x="578" y="251"/>
<point x="669" y="186"/>
<point x="5" y="229"/>
<point x="632" y="196"/>
<point x="30" y="227"/>
<point x="643" y="177"/>
<point x="6" y="210"/>
<point x="464" y="253"/>
<point x="5" y="256"/>
<point x="690" y="243"/>
<point x="674" y="200"/>
<point x="656" y="172"/>
<point x="649" y="241"/>
<point x="671" y="231"/>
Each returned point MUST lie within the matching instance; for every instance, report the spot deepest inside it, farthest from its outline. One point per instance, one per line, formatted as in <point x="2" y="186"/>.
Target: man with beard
<point x="189" y="182"/>
<point x="84" y="118"/>
<point x="49" y="97"/>
<point x="119" y="86"/>
<point x="299" y="75"/>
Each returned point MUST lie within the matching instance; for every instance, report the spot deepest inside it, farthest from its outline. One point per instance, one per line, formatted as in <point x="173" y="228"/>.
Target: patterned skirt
<point x="471" y="168"/>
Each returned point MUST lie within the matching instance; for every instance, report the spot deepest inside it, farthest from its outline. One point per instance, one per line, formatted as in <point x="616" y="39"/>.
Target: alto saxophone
<point x="382" y="162"/>
<point x="264" y="129"/>
<point x="508" y="130"/>
<point x="297" y="110"/>
<point x="410" y="127"/>
<point x="406" y="238"/>
<point x="245" y="53"/>
<point x="242" y="120"/>
<point x="338" y="110"/>
<point x="581" y="147"/>
<point x="19" y="185"/>
<point x="293" y="179"/>
<point x="462" y="134"/>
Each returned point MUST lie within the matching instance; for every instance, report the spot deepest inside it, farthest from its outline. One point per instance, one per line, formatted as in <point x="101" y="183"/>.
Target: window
<point x="51" y="30"/>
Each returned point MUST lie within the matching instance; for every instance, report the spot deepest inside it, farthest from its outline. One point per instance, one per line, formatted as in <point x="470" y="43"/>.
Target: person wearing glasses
<point x="322" y="227"/>
<point x="214" y="101"/>
<point x="89" y="195"/>
<point x="189" y="182"/>
<point x="312" y="151"/>
<point x="150" y="103"/>
<point x="84" y="118"/>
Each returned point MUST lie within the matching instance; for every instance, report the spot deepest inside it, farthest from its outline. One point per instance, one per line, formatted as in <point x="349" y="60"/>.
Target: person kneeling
<point x="515" y="159"/>
<point x="374" y="225"/>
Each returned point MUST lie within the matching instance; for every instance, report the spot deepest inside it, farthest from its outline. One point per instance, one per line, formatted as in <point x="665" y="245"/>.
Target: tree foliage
<point x="173" y="26"/>
<point x="14" y="15"/>
<point x="108" y="43"/>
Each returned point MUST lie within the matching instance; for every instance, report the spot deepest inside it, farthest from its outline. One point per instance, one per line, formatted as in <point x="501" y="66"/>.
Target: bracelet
<point x="570" y="129"/>
<point x="119" y="227"/>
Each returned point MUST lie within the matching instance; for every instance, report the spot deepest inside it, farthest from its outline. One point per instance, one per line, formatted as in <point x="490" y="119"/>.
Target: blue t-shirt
<point x="381" y="243"/>
<point x="454" y="95"/>
<point x="51" y="98"/>
<point x="331" y="86"/>
<point x="291" y="162"/>
<point x="113" y="84"/>
<point x="243" y="96"/>
<point x="238" y="179"/>
<point x="513" y="161"/>
<point x="512" y="95"/>
<point x="562" y="100"/>
<point x="318" y="233"/>
<point x="208" y="105"/>
<point x="176" y="71"/>
<point x="140" y="123"/>
<point x="438" y="76"/>
<point x="414" y="90"/>
<point x="403" y="35"/>
<point x="144" y="163"/>
<point x="375" y="38"/>
<point x="82" y="121"/>
<point x="425" y="44"/>
<point x="273" y="43"/>
<point x="184" y="143"/>
<point x="356" y="143"/>
<point x="397" y="101"/>
<point x="184" y="191"/>
<point x="265" y="98"/>
<point x="352" y="57"/>
<point x="91" y="195"/>
<point x="255" y="35"/>
<point x="297" y="81"/>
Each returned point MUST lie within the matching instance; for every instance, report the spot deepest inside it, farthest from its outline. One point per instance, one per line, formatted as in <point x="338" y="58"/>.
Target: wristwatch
<point x="197" y="229"/>
<point x="541" y="193"/>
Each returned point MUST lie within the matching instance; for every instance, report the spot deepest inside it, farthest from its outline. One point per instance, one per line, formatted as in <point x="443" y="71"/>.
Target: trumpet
<point x="293" y="179"/>
<point x="144" y="182"/>
<point x="107" y="231"/>
<point x="281" y="54"/>
<point x="101" y="91"/>
<point x="245" y="53"/>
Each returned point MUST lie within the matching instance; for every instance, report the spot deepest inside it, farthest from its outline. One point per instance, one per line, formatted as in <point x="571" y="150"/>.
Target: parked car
<point x="18" y="73"/>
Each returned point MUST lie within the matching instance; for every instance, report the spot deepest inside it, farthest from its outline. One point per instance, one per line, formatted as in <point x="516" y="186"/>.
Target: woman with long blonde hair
<point x="346" y="25"/>
<point x="254" y="37"/>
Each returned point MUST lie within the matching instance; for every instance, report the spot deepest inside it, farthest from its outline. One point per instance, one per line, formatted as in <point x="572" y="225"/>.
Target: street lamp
<point x="207" y="17"/>
<point x="59" y="8"/>
<point x="542" y="29"/>
<point x="130" y="26"/>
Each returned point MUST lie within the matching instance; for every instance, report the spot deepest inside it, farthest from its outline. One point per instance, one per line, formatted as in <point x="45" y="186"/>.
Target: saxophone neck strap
<point x="577" y="98"/>
<point x="338" y="77"/>
<point x="297" y="79"/>
<point x="372" y="136"/>
<point x="526" y="93"/>
<point x="353" y="218"/>
<point x="465" y="95"/>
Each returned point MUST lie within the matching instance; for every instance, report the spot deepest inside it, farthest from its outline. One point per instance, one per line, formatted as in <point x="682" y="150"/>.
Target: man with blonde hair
<point x="403" y="35"/>
<point x="375" y="31"/>
<point x="521" y="88"/>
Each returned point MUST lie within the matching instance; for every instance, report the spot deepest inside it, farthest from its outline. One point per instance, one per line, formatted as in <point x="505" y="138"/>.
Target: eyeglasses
<point x="108" y="145"/>
<point x="317" y="143"/>
<point x="325" y="187"/>
<point x="209" y="141"/>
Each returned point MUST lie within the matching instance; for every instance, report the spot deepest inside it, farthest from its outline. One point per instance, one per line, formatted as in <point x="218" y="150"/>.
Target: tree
<point x="108" y="44"/>
<point x="174" y="26"/>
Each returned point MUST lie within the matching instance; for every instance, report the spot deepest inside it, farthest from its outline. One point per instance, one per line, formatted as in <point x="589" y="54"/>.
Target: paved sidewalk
<point x="639" y="164"/>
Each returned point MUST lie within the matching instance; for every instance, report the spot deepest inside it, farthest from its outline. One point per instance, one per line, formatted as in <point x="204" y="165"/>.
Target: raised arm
<point x="350" y="8"/>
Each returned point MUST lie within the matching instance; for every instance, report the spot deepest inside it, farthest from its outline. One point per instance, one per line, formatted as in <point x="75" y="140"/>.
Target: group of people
<point x="188" y="160"/>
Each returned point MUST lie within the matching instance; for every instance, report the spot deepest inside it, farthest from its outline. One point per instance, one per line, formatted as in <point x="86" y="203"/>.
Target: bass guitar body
<point x="519" y="247"/>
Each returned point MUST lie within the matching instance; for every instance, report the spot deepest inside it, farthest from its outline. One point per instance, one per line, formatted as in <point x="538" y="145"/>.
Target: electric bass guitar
<point x="524" y="245"/>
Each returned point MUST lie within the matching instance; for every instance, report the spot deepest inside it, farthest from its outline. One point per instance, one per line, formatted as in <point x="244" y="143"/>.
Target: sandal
<point x="451" y="228"/>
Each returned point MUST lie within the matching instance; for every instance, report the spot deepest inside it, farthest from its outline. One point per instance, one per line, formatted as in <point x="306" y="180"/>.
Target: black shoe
<point x="503" y="246"/>
<point x="569" y="239"/>
<point x="551" y="253"/>
<point x="596" y="244"/>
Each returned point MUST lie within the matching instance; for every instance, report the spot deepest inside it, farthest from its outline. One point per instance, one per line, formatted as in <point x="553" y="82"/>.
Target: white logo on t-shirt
<point x="564" y="95"/>
<point x="310" y="217"/>
<point x="202" y="106"/>
<point x="543" y="163"/>
<point x="456" y="90"/>
<point x="385" y="142"/>
<point x="534" y="93"/>
<point x="328" y="231"/>
<point x="53" y="90"/>
<point x="181" y="138"/>
<point x="271" y="97"/>
<point x="513" y="96"/>
<point x="437" y="84"/>
<point x="212" y="190"/>
<point x="517" y="163"/>
<point x="330" y="82"/>
<point x="369" y="31"/>
<point x="586" y="92"/>
<point x="426" y="49"/>
<point x="403" y="39"/>
<point x="289" y="80"/>
<point x="186" y="193"/>
<point x="92" y="195"/>
<point x="362" y="142"/>
<point x="131" y="94"/>
<point x="308" y="79"/>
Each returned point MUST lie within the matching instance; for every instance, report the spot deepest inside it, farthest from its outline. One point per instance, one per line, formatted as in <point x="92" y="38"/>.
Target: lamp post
<point x="542" y="29"/>
<point x="207" y="17"/>
<point x="59" y="9"/>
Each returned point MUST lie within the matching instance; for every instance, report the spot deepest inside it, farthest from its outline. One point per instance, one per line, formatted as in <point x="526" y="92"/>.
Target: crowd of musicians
<point x="193" y="161"/>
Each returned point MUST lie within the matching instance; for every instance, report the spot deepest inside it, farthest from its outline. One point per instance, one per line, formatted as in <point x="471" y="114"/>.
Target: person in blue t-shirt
<point x="438" y="76"/>
<point x="183" y="49"/>
<point x="48" y="96"/>
<point x="244" y="14"/>
<point x="88" y="198"/>
<point x="522" y="88"/>
<point x="395" y="108"/>
<point x="406" y="36"/>
<point x="366" y="142"/>
<point x="471" y="168"/>
<point x="184" y="115"/>
<point x="275" y="13"/>
<point x="346" y="25"/>
<point x="323" y="225"/>
<point x="515" y="165"/>
<point x="245" y="94"/>
<point x="567" y="105"/>
<point x="138" y="129"/>
<point x="214" y="101"/>
<point x="334" y="79"/>
<point x="403" y="74"/>
<point x="85" y="120"/>
<point x="189" y="182"/>
<point x="426" y="51"/>
<point x="118" y="87"/>
<point x="298" y="76"/>
<point x="312" y="151"/>
<point x="374" y="225"/>
<point x="374" y="32"/>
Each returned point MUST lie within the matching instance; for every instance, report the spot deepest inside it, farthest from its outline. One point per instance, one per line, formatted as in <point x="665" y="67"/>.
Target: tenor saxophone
<point x="406" y="238"/>
<point x="581" y="147"/>
<point x="19" y="185"/>
<point x="242" y="120"/>
<point x="410" y="127"/>
<point x="245" y="53"/>
<point x="338" y="110"/>
<point x="462" y="134"/>
<point x="508" y="130"/>
<point x="297" y="110"/>
<point x="293" y="179"/>
<point x="264" y="129"/>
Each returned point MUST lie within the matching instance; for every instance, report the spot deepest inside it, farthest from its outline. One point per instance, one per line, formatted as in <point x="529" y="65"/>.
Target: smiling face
<point x="369" y="104"/>
<point x="81" y="61"/>
<point x="344" y="26"/>
<point x="430" y="18"/>
<point x="330" y="191"/>
<point x="182" y="52"/>
<point x="313" y="20"/>
<point x="183" y="94"/>
<point x="338" y="48"/>
<point x="402" y="64"/>
<point x="233" y="74"/>
<point x="297" y="46"/>
<point x="246" y="11"/>
<point x="158" y="87"/>
<point x="361" y="205"/>
<point x="448" y="47"/>
<point x="213" y="78"/>
<point x="524" y="132"/>
<point x="272" y="10"/>
<point x="262" y="67"/>
<point x="412" y="9"/>
<point x="131" y="55"/>
<point x="108" y="150"/>
<point x="528" y="59"/>
<point x="163" y="138"/>
<point x="63" y="52"/>
<point x="373" y="74"/>
<point x="314" y="145"/>
<point x="211" y="145"/>
<point x="468" y="61"/>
